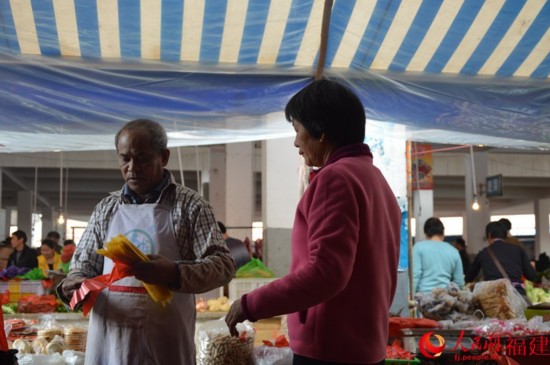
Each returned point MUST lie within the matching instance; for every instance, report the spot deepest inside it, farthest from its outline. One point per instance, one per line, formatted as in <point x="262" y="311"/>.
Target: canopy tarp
<point x="217" y="71"/>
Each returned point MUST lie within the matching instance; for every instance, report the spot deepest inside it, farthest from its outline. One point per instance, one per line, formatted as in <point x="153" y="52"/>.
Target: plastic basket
<point x="211" y="294"/>
<point x="239" y="287"/>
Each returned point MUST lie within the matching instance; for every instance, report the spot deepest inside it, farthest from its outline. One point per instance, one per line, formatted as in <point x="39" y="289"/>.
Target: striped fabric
<point x="496" y="38"/>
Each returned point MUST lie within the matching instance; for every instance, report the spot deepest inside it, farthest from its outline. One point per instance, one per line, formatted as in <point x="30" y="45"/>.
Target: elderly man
<point x="176" y="227"/>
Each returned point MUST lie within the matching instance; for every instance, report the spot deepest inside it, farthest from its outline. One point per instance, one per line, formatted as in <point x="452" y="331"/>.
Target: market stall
<point x="491" y="322"/>
<point x="40" y="327"/>
<point x="32" y="333"/>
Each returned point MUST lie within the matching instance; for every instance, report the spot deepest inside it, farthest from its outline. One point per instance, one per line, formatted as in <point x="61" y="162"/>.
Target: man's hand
<point x="234" y="316"/>
<point x="70" y="285"/>
<point x="158" y="270"/>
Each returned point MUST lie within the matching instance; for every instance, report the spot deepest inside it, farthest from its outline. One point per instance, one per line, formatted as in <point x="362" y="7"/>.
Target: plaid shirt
<point x="206" y="261"/>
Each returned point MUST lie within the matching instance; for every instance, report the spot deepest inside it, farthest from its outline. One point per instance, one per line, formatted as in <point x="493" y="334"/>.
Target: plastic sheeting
<point x="72" y="106"/>
<point x="63" y="106"/>
<point x="221" y="71"/>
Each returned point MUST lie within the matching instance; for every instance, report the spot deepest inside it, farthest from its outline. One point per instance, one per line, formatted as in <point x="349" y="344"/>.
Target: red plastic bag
<point x="5" y="297"/>
<point x="3" y="339"/>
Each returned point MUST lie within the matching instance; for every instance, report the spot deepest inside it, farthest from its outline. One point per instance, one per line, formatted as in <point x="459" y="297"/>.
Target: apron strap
<point x="127" y="289"/>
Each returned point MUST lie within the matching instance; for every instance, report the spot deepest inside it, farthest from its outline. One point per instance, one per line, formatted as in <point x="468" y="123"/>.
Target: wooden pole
<point x="410" y="210"/>
<point x="327" y="11"/>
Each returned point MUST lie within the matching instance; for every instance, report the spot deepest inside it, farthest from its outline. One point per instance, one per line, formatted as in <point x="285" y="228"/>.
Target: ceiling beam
<point x="24" y="186"/>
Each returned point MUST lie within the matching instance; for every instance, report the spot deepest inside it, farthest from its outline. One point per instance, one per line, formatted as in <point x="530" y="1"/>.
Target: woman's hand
<point x="234" y="316"/>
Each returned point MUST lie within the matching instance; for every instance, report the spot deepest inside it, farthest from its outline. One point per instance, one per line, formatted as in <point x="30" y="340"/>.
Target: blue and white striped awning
<point x="52" y="51"/>
<point x="469" y="37"/>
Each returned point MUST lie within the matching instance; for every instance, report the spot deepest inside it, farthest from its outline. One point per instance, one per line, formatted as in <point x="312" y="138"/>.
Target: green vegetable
<point x="34" y="274"/>
<point x="9" y="308"/>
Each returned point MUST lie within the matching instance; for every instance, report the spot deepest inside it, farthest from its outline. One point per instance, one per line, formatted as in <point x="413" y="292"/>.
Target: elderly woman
<point x="344" y="243"/>
<point x="48" y="258"/>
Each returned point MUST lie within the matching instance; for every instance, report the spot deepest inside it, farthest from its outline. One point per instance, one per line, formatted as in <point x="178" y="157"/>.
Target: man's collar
<point x="153" y="195"/>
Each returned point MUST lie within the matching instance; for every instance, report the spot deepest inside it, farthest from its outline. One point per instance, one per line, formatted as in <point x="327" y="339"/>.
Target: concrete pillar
<point x="542" y="225"/>
<point x="7" y="221"/>
<point x="475" y="222"/>
<point x="280" y="166"/>
<point x="48" y="220"/>
<point x="218" y="181"/>
<point x="24" y="213"/>
<point x="4" y="226"/>
<point x="239" y="189"/>
<point x="423" y="208"/>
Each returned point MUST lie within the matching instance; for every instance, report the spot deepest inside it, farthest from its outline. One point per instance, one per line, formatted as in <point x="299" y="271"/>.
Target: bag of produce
<point x="499" y="299"/>
<point x="254" y="268"/>
<point x="31" y="359"/>
<point x="450" y="303"/>
<point x="215" y="346"/>
<point x="267" y="355"/>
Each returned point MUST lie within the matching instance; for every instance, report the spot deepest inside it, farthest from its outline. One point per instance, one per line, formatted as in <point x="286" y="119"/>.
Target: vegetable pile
<point x="396" y="352"/>
<point x="12" y="271"/>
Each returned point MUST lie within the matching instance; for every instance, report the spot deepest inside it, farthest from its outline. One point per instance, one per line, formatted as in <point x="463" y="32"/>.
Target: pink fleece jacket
<point x="343" y="274"/>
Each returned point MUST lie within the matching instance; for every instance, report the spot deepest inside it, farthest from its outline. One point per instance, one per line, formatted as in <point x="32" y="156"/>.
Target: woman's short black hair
<point x="496" y="230"/>
<point x="48" y="242"/>
<point x="506" y="223"/>
<point x="433" y="226"/>
<point x="68" y="242"/>
<point x="460" y="241"/>
<point x="330" y="108"/>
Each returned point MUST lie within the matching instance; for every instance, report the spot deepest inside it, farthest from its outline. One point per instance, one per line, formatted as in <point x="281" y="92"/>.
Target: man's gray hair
<point x="159" y="138"/>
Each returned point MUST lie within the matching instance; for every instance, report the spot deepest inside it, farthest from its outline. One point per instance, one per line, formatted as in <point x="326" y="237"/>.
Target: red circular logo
<point x="428" y="349"/>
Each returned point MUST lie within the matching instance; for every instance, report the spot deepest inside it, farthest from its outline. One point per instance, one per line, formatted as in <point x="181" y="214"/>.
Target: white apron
<point x="126" y="325"/>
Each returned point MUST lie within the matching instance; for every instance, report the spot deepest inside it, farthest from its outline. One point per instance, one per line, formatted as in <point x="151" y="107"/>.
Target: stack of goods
<point x="40" y="346"/>
<point x="215" y="346"/>
<point x="220" y="304"/>
<point x="446" y="303"/>
<point x="520" y="327"/>
<point x="49" y="333"/>
<point x="76" y="338"/>
<point x="47" y="339"/>
<point x="514" y="341"/>
<point x="21" y="329"/>
<point x="499" y="299"/>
